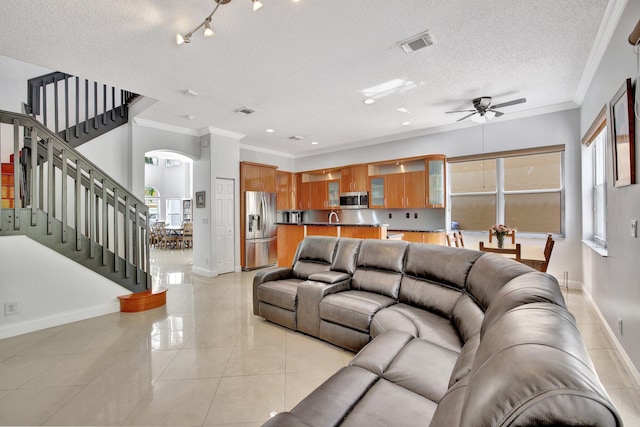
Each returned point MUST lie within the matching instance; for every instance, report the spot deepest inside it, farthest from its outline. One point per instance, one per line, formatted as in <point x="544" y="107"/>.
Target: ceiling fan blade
<point x="498" y="113"/>
<point x="466" y="117"/>
<point x="460" y="111"/>
<point x="509" y="103"/>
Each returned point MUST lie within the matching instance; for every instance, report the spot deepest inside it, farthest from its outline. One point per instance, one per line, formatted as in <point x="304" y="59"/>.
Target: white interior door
<point x="225" y="230"/>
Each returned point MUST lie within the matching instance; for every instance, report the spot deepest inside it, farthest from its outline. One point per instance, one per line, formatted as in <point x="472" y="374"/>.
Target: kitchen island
<point x="289" y="235"/>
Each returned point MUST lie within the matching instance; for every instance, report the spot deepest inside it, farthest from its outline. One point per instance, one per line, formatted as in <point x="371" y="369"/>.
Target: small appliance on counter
<point x="354" y="200"/>
<point x="290" y="217"/>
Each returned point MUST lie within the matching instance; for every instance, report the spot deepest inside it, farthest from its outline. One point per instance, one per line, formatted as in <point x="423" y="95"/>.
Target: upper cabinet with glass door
<point x="435" y="173"/>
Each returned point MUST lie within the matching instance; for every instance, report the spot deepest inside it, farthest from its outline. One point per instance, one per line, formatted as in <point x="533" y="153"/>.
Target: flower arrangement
<point x="500" y="230"/>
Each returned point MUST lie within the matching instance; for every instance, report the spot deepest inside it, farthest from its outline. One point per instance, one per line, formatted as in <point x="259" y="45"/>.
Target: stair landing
<point x="141" y="301"/>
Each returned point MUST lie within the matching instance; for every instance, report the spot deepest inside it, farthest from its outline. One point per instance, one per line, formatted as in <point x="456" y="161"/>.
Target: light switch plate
<point x="634" y="228"/>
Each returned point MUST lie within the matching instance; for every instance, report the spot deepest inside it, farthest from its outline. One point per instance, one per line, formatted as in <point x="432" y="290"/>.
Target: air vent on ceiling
<point x="295" y="138"/>
<point x="418" y="41"/>
<point x="245" y="111"/>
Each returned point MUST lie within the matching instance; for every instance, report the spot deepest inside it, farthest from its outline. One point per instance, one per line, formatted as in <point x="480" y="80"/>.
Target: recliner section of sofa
<point x="446" y="337"/>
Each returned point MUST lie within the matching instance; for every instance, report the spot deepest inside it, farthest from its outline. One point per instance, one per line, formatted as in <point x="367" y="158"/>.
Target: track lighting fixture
<point x="208" y="31"/>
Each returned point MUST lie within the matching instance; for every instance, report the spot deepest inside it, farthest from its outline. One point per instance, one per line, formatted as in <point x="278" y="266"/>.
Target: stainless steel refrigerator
<point x="260" y="229"/>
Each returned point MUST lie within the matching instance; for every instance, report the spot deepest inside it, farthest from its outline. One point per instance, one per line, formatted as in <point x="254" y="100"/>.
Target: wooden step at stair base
<point x="141" y="301"/>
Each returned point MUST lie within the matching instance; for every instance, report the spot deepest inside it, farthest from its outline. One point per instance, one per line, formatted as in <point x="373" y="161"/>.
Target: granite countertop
<point x="335" y="224"/>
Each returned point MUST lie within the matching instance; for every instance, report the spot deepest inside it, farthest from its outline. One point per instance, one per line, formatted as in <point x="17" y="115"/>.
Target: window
<point x="174" y="212"/>
<point x="594" y="204"/>
<point x="171" y="162"/>
<point x="151" y="161"/>
<point x="521" y="189"/>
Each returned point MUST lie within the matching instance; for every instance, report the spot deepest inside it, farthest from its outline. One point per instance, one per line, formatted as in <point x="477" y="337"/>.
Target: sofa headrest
<point x="489" y="274"/>
<point x="346" y="255"/>
<point x="526" y="289"/>
<point x="532" y="368"/>
<point x="441" y="264"/>
<point x="382" y="255"/>
<point x="317" y="248"/>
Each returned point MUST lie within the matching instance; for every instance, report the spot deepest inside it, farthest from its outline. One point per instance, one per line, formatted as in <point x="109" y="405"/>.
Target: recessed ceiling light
<point x="406" y="123"/>
<point x="188" y="116"/>
<point x="270" y="130"/>
<point x="314" y="142"/>
<point x="402" y="110"/>
<point x="369" y="101"/>
<point x="191" y="92"/>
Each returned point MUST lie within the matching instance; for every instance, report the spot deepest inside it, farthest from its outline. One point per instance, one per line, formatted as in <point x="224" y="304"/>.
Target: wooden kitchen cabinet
<point x="256" y="177"/>
<point x="436" y="178"/>
<point x="288" y="238"/>
<point x="397" y="190"/>
<point x="318" y="197"/>
<point x="304" y="201"/>
<point x="432" y="237"/>
<point x="354" y="178"/>
<point x="286" y="191"/>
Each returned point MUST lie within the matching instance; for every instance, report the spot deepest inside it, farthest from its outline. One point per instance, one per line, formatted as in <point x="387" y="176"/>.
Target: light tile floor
<point x="202" y="360"/>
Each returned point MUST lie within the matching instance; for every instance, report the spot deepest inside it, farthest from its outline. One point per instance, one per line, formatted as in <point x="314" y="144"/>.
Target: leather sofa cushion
<point x="388" y="404"/>
<point x="282" y="293"/>
<point x="526" y="289"/>
<point x="418" y="323"/>
<point x="429" y="296"/>
<point x="467" y="317"/>
<point x="491" y="272"/>
<point x="539" y="372"/>
<point x="317" y="248"/>
<point x="382" y="255"/>
<point x="379" y="282"/>
<point x="465" y="360"/>
<point x="353" y="309"/>
<point x="414" y="364"/>
<point x="329" y="277"/>
<point x="303" y="269"/>
<point x="441" y="264"/>
<point x="346" y="255"/>
<point x="330" y="403"/>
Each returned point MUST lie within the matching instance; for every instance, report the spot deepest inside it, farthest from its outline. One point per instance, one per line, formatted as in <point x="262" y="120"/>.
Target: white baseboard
<point x="15" y="329"/>
<point x="238" y="269"/>
<point x="628" y="364"/>
<point x="204" y="272"/>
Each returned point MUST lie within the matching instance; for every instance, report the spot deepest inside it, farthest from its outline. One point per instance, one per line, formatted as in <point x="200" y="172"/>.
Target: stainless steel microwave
<point x="354" y="200"/>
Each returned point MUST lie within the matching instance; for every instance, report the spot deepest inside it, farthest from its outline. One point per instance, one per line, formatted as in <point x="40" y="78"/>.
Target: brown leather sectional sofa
<point x="445" y="337"/>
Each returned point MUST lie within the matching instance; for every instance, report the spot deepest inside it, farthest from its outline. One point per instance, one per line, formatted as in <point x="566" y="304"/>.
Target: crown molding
<point x="166" y="127"/>
<point x="221" y="132"/>
<point x="610" y="20"/>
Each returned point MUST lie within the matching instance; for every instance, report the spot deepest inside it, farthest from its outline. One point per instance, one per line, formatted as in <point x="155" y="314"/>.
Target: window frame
<point x="500" y="191"/>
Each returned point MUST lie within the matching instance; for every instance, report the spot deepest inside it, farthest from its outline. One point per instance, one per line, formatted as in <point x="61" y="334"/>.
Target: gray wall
<point x="613" y="281"/>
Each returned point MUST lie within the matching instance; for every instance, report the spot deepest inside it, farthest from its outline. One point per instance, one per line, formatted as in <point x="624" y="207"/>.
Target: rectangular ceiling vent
<point x="245" y="111"/>
<point x="416" y="42"/>
<point x="295" y="138"/>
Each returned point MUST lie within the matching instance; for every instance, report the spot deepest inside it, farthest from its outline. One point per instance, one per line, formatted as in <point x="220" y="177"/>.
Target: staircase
<point x="56" y="196"/>
<point x="77" y="110"/>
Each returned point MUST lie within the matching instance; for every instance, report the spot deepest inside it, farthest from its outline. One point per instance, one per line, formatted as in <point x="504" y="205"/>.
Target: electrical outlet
<point x="390" y="215"/>
<point x="415" y="215"/>
<point x="620" y="326"/>
<point x="10" y="308"/>
<point x="407" y="215"/>
<point x="634" y="228"/>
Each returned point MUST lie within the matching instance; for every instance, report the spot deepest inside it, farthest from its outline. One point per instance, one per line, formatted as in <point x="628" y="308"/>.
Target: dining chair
<point x="166" y="240"/>
<point x="548" y="247"/>
<point x="187" y="235"/>
<point x="511" y="234"/>
<point x="504" y="251"/>
<point x="455" y="239"/>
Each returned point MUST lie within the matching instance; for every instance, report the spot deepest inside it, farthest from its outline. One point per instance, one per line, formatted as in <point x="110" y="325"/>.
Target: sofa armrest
<point x="269" y="275"/>
<point x="329" y="277"/>
<point x="285" y="419"/>
<point x="310" y="294"/>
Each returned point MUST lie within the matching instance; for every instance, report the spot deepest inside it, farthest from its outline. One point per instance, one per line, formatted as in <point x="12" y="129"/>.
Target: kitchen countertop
<point x="418" y="230"/>
<point x="335" y="224"/>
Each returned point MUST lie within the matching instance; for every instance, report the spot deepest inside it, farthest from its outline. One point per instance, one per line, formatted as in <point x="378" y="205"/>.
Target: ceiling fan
<point x="483" y="110"/>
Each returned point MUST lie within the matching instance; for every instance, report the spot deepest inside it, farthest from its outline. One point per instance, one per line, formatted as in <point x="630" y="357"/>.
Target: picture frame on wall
<point x="622" y="128"/>
<point x="200" y="199"/>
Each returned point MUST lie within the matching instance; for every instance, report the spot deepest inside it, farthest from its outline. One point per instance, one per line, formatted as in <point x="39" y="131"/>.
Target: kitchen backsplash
<point x="419" y="219"/>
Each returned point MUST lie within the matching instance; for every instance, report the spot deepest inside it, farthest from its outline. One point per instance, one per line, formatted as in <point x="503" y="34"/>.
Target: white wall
<point x="285" y="163"/>
<point x="613" y="281"/>
<point x="49" y="288"/>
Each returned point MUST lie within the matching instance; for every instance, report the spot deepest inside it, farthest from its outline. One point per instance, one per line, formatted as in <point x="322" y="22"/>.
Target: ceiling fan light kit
<point x="484" y="111"/>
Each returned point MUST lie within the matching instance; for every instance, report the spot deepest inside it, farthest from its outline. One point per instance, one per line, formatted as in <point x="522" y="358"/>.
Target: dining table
<point x="174" y="230"/>
<point x="530" y="254"/>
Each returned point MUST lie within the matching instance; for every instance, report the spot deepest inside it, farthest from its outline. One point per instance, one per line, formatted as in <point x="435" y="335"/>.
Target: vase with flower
<point x="500" y="230"/>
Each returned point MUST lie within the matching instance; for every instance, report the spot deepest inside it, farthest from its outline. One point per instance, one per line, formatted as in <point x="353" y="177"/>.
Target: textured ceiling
<point x="306" y="66"/>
